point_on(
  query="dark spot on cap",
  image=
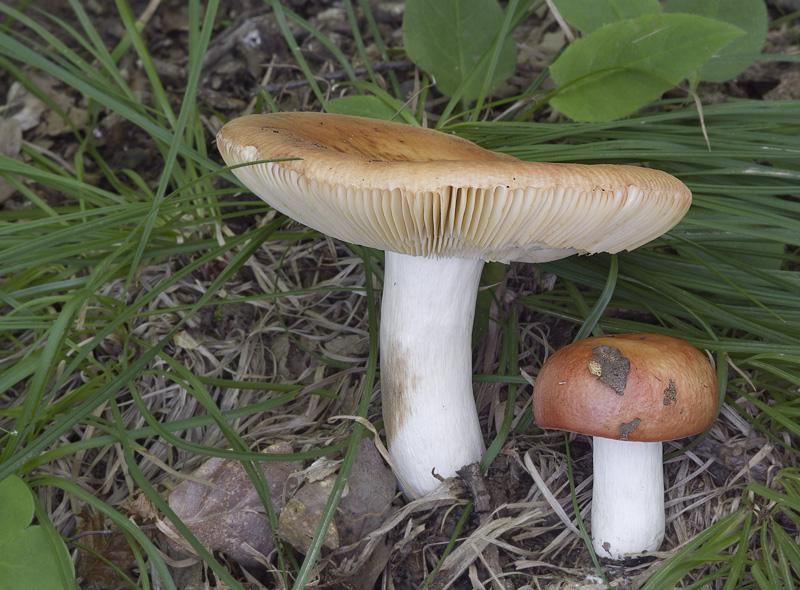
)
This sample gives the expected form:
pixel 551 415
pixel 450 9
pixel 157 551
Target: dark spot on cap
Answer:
pixel 610 367
pixel 670 393
pixel 627 427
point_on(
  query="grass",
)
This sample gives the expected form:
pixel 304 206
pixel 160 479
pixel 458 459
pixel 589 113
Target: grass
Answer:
pixel 102 286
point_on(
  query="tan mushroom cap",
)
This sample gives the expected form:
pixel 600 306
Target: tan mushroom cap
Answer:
pixel 425 193
pixel 668 391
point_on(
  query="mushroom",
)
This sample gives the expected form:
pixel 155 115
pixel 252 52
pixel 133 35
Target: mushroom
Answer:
pixel 629 392
pixel 439 206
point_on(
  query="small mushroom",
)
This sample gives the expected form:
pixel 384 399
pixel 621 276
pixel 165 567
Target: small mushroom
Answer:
pixel 439 206
pixel 629 392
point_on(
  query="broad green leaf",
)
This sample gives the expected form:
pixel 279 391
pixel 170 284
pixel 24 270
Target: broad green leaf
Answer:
pixel 447 38
pixel 16 507
pixel 737 56
pixel 622 66
pixel 588 16
pixel 28 557
pixel 362 106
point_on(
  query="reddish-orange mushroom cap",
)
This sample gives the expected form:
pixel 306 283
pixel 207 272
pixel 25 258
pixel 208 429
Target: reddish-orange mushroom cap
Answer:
pixel 636 387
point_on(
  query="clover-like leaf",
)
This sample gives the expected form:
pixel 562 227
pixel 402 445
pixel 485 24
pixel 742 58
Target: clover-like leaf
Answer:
pixel 588 16
pixel 739 54
pixel 447 38
pixel 622 66
pixel 30 557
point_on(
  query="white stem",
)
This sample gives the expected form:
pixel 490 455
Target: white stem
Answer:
pixel 426 367
pixel 628 497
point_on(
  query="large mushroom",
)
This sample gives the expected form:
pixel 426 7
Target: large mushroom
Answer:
pixel 629 392
pixel 439 206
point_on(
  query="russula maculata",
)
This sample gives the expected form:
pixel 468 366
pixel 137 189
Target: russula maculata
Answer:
pixel 629 392
pixel 439 206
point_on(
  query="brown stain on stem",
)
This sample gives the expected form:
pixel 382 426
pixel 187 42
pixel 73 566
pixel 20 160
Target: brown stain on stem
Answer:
pixel 397 384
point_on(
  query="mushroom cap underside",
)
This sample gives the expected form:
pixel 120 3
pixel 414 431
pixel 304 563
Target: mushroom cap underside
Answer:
pixel 636 387
pixel 421 192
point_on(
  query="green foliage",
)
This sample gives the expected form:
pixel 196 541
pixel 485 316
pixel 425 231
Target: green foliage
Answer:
pixel 453 40
pixel 31 557
pixel 742 248
pixel 632 52
pixel 364 106
pixel 764 518
pixel 493 273
pixel 734 58
pixel 622 66
pixel 588 15
pixel 739 304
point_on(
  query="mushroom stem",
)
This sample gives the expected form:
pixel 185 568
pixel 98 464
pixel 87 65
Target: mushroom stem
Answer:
pixel 426 367
pixel 628 497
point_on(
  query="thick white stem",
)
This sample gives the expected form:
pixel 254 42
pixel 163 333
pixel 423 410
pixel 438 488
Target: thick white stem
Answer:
pixel 426 367
pixel 628 497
